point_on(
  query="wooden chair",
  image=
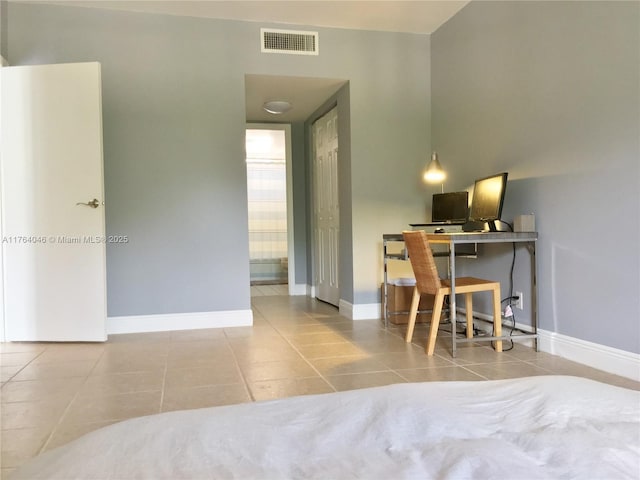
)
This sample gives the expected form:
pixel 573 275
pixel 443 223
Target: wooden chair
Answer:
pixel 428 281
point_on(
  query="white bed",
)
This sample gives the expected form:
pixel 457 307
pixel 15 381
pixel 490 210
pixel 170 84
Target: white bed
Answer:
pixel 536 427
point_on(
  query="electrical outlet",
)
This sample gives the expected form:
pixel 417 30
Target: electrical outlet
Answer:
pixel 519 301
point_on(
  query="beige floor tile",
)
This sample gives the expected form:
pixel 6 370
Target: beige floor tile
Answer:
pixel 201 397
pixel 214 345
pixel 385 345
pixel 116 383
pixel 112 407
pixel 43 371
pixel 7 373
pixel 198 335
pixel 224 373
pixel 327 350
pixel 618 381
pixel 190 360
pixel 200 355
pixel 289 387
pixel 364 380
pixel 250 343
pixel 413 359
pixel 439 374
pixel 22 347
pixel 61 355
pixel 500 371
pixel 5 473
pixel 304 339
pixel 254 331
pixel 269 290
pixel 523 352
pixel 348 364
pixel 369 335
pixel 149 337
pixel 293 329
pixel 33 390
pixel 292 318
pixel 40 413
pixel 19 445
pixel 277 370
pixel 119 362
pixel 17 359
pixel 138 348
pixel 561 366
pixel 245 355
pixel 475 354
pixel 259 321
pixel 66 432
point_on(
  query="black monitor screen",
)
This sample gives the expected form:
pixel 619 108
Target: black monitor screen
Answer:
pixel 450 207
pixel 488 197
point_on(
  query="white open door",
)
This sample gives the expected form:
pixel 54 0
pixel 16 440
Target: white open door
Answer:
pixel 53 227
pixel 326 207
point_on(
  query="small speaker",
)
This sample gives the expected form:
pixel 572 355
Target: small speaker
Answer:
pixel 524 223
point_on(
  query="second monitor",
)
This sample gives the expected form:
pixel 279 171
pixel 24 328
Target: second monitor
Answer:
pixel 450 208
pixel 487 200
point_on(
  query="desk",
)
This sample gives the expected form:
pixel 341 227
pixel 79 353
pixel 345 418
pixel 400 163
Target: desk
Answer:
pixel 461 238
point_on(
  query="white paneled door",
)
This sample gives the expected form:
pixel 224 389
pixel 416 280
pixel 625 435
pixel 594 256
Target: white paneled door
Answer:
pixel 326 207
pixel 53 226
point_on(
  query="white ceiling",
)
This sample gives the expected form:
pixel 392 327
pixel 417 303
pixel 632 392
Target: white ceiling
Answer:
pixel 414 16
pixel 306 94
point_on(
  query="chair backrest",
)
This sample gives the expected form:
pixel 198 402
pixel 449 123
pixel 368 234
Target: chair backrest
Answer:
pixel 422 262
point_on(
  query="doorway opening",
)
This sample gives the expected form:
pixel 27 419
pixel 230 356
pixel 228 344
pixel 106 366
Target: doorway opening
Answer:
pixel 268 158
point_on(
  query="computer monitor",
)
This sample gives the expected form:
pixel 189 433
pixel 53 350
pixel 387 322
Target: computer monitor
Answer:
pixel 487 199
pixel 450 207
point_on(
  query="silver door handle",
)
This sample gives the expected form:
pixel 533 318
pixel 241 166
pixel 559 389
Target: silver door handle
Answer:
pixel 95 203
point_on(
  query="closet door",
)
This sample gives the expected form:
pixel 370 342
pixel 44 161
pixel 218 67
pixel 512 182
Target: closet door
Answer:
pixel 326 208
pixel 53 227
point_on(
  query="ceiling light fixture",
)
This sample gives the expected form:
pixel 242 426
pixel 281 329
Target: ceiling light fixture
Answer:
pixel 276 107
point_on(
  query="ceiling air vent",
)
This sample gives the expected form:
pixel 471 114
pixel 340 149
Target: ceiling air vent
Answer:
pixel 289 41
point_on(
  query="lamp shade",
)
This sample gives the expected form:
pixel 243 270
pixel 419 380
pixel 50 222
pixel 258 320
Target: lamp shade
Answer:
pixel 434 172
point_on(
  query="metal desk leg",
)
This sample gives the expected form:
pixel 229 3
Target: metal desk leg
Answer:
pixel 534 301
pixel 385 297
pixel 452 296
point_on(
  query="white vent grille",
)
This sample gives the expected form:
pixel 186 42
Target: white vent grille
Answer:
pixel 289 41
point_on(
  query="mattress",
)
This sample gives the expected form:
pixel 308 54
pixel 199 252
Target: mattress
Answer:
pixel 534 427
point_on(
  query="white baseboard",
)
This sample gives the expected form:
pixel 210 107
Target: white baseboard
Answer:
pixel 311 291
pixel 602 357
pixel 361 311
pixel 608 359
pixel 179 321
pixel 298 289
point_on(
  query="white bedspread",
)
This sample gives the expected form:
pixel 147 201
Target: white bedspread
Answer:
pixel 536 427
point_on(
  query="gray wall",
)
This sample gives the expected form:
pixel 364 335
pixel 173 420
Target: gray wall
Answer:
pixel 3 27
pixel 299 175
pixel 173 102
pixel 549 91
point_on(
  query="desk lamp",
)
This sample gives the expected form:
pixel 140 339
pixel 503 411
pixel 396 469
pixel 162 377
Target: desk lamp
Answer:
pixel 434 172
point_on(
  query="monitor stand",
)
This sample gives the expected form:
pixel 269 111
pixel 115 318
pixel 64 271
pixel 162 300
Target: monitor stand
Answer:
pixel 473 226
pixel 492 226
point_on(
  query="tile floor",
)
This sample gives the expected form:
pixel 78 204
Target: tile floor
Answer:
pixel 53 393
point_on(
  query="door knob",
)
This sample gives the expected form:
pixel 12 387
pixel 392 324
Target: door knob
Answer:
pixel 95 203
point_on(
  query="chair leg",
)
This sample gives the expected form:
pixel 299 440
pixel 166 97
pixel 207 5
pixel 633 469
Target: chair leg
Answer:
pixel 497 318
pixel 469 306
pixel 413 313
pixel 435 322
